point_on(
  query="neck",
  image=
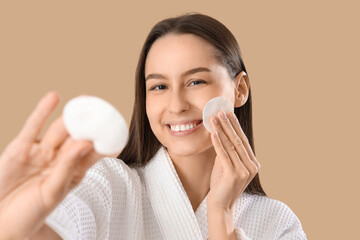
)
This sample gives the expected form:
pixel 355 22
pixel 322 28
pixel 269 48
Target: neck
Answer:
pixel 194 172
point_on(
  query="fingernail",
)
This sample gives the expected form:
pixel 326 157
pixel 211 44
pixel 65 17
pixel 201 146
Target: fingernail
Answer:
pixel 223 115
pixel 215 135
pixel 232 115
pixel 215 121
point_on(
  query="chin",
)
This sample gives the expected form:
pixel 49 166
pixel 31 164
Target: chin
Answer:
pixel 188 148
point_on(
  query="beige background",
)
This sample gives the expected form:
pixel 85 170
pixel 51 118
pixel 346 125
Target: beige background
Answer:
pixel 302 58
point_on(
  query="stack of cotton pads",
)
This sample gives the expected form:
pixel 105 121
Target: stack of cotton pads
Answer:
pixel 214 106
pixel 92 118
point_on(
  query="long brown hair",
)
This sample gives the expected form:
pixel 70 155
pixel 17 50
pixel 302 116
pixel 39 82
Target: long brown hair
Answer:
pixel 143 144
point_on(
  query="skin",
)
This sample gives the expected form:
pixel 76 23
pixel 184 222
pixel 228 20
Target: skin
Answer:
pixel 219 165
pixel 37 174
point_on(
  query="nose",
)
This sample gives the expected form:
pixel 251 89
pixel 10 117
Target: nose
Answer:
pixel 178 102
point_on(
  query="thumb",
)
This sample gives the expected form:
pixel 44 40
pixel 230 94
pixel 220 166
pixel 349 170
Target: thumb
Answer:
pixel 56 185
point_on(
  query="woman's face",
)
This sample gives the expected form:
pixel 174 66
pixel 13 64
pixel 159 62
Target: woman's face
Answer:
pixel 182 75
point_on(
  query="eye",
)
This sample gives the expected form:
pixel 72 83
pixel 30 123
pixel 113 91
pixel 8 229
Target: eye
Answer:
pixel 162 86
pixel 197 81
pixel 156 86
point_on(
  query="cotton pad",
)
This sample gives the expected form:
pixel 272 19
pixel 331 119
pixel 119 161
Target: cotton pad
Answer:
pixel 214 106
pixel 92 118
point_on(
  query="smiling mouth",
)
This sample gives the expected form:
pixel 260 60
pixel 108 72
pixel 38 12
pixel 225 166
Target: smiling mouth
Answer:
pixel 184 132
pixel 195 122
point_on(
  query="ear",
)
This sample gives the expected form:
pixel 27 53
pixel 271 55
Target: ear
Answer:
pixel 242 86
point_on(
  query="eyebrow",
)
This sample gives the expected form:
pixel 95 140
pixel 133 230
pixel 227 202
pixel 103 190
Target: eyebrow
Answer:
pixel 189 72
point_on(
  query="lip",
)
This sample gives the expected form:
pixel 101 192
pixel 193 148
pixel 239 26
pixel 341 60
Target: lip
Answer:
pixel 184 122
pixel 183 133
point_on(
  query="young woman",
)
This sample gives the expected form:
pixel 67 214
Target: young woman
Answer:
pixel 166 183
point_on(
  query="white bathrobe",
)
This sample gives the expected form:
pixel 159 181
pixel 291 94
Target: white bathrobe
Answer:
pixel 114 201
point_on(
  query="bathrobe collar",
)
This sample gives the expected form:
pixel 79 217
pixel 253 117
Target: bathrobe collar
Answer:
pixel 169 200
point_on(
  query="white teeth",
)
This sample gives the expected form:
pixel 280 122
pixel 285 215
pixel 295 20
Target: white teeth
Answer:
pixel 179 128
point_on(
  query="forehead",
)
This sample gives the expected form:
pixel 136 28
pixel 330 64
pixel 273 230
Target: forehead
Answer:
pixel 176 53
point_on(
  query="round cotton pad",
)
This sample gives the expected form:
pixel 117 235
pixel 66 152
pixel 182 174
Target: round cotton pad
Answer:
pixel 92 118
pixel 214 106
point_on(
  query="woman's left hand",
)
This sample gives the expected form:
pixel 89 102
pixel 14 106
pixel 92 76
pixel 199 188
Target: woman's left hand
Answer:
pixel 235 164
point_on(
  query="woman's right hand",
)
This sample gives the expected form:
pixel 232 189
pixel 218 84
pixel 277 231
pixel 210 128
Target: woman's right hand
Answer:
pixel 36 175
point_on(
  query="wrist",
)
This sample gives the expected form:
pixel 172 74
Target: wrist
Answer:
pixel 220 223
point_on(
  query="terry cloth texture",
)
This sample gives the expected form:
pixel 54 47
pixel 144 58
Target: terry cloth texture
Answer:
pixel 114 201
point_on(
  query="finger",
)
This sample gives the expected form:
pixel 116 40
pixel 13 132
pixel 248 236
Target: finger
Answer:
pixel 57 184
pixel 55 135
pixel 84 164
pixel 87 161
pixel 238 165
pixel 229 147
pixel 38 117
pixel 245 142
pixel 237 145
pixel 219 147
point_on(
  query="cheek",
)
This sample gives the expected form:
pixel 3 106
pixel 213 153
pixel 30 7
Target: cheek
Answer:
pixel 201 98
pixel 224 89
pixel 153 110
